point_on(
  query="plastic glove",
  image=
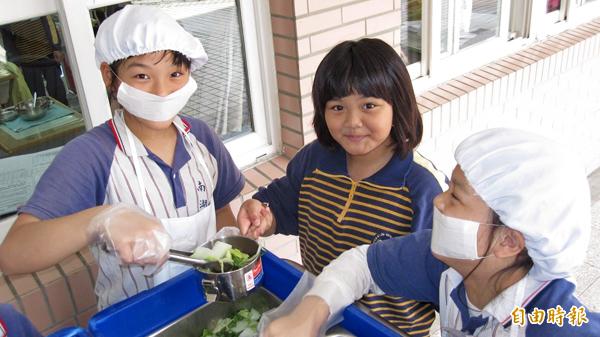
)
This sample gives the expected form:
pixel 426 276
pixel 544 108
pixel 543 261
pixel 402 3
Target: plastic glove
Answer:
pixel 298 315
pixel 254 218
pixel 306 320
pixel 135 236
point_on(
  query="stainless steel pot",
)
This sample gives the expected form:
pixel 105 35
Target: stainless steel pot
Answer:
pixel 30 113
pixel 235 284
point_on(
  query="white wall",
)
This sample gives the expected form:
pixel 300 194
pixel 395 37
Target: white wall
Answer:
pixel 558 97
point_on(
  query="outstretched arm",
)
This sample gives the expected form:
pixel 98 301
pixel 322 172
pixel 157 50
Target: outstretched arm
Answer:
pixel 133 235
pixel 33 244
pixel 330 294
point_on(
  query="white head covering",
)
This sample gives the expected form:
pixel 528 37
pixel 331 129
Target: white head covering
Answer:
pixel 536 187
pixel 137 30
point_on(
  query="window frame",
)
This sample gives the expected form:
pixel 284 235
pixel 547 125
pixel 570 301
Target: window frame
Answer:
pixel 438 67
pixel 542 24
pixel 522 22
pixel 485 47
pixel 580 11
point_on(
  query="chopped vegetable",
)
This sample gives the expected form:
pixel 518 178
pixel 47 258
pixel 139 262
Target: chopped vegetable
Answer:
pixel 223 253
pixel 239 258
pixel 243 324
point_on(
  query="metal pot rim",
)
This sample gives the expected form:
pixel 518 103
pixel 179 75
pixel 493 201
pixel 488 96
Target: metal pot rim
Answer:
pixel 251 260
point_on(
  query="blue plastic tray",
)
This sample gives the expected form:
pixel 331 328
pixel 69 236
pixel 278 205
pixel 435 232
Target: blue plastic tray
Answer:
pixel 70 332
pixel 152 309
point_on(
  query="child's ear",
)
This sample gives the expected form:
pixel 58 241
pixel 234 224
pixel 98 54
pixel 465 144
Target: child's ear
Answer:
pixel 510 243
pixel 107 75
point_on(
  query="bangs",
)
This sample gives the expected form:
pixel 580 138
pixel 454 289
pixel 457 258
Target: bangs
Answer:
pixel 176 58
pixel 370 68
pixel 356 74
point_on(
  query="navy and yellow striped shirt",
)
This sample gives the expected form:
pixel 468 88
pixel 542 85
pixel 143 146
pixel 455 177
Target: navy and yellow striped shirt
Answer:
pixel 32 40
pixel 331 213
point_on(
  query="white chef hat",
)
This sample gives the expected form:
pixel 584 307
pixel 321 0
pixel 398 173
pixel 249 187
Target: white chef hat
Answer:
pixel 137 30
pixel 536 187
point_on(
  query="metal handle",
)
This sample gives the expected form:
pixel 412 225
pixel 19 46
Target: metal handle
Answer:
pixel 210 290
pixel 185 259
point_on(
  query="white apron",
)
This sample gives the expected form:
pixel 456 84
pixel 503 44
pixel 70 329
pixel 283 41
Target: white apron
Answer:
pixel 450 317
pixel 186 232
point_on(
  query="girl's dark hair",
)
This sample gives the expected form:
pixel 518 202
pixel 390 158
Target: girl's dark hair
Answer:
pixel 178 59
pixel 523 260
pixel 372 68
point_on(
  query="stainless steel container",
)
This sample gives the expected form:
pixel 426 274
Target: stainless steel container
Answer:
pixel 235 284
pixel 29 113
pixel 205 317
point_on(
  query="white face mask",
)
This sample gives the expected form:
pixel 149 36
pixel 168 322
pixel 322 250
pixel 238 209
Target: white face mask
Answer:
pixel 152 107
pixel 453 237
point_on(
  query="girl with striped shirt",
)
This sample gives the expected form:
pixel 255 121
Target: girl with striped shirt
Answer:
pixel 508 236
pixel 361 182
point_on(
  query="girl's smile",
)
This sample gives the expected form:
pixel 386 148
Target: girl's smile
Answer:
pixel 355 138
pixel 361 125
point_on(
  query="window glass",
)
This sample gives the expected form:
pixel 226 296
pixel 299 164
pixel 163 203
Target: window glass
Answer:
pixel 468 22
pixel 411 30
pixel 552 5
pixel 444 24
pixel 478 20
pixel 38 101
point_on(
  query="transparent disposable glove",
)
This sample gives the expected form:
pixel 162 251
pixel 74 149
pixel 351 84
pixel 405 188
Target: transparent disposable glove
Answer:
pixel 299 315
pixel 255 218
pixel 134 235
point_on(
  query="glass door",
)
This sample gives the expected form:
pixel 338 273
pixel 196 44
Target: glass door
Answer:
pixel 40 109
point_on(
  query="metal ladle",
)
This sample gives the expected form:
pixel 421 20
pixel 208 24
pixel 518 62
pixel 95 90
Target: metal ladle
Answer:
pixel 212 266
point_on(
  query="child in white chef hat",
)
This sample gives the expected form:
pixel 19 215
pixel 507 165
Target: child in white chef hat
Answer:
pixel 507 237
pixel 141 183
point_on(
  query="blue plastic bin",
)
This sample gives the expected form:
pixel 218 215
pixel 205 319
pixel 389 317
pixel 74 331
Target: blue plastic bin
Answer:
pixel 70 332
pixel 150 310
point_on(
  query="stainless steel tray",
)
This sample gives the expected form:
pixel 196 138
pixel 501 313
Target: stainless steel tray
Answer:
pixel 192 324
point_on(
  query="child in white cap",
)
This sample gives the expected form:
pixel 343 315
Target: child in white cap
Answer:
pixel 141 183
pixel 507 237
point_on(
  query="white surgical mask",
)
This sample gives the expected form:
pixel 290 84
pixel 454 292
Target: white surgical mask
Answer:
pixel 153 107
pixel 453 237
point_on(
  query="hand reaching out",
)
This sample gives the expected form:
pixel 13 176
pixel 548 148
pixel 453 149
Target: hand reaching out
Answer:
pixel 306 320
pixel 255 219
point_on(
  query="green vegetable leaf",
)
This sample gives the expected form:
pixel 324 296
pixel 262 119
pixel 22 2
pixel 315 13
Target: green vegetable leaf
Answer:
pixel 239 258
pixel 242 324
